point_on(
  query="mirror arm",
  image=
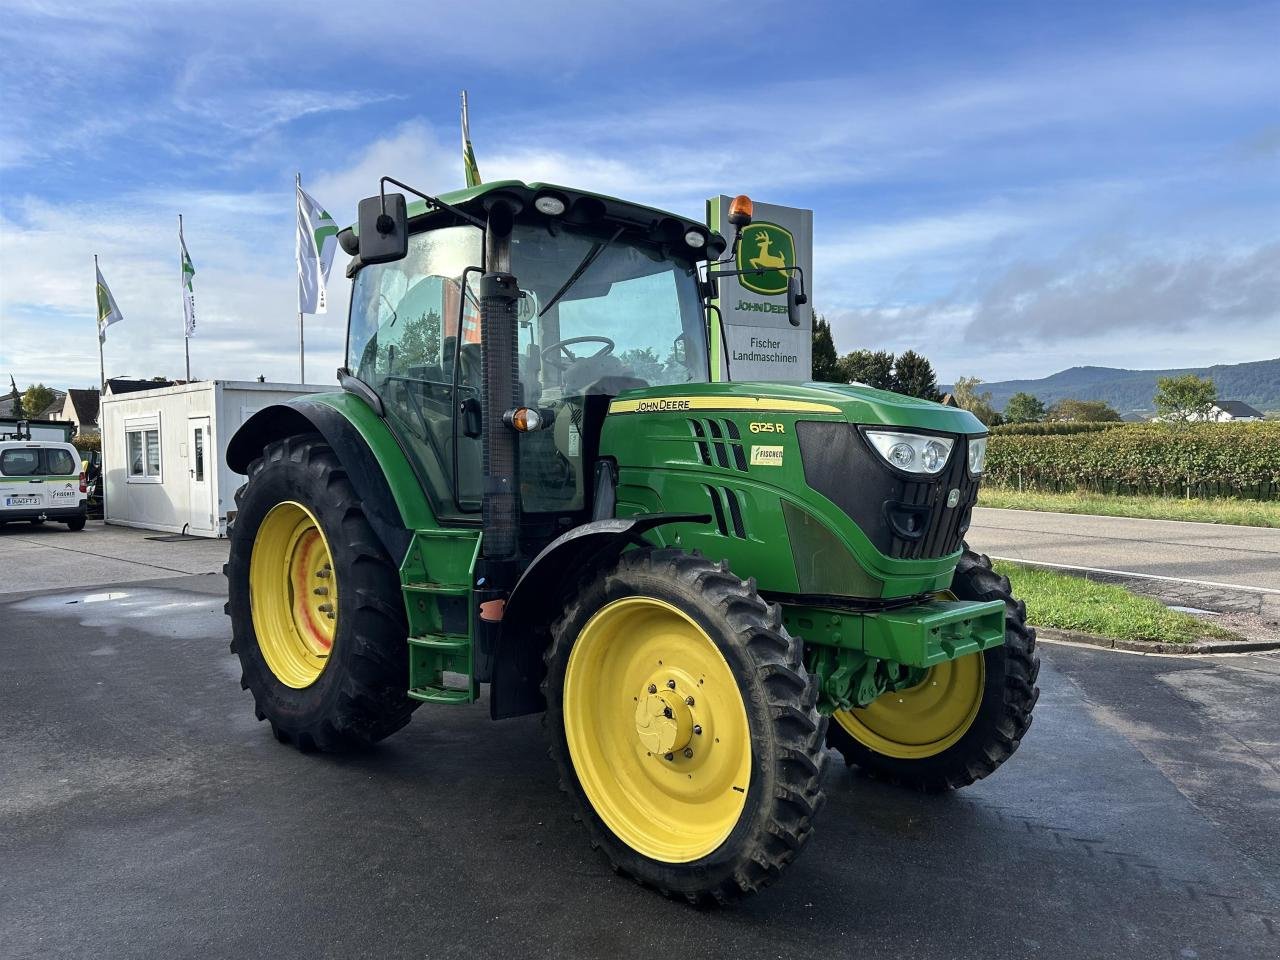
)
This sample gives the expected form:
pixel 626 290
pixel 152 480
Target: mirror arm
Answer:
pixel 432 201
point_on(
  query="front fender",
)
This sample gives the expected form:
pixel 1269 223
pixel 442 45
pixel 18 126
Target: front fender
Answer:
pixel 377 467
pixel 517 667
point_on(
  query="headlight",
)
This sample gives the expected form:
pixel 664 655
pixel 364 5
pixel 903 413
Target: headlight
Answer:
pixel 977 454
pixel 911 451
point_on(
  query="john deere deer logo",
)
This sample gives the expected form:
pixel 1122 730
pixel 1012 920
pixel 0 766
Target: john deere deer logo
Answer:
pixel 765 252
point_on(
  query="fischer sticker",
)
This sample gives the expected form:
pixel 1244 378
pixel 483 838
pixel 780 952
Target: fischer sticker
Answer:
pixel 766 456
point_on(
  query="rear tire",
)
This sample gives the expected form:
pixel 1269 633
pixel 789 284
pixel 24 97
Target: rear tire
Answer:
pixel 1008 696
pixel 725 816
pixel 76 524
pixel 358 696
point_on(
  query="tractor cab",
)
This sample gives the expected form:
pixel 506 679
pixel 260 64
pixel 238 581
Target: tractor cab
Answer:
pixel 608 300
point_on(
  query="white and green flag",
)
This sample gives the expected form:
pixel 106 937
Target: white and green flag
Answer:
pixel 108 312
pixel 188 292
pixel 317 243
pixel 469 167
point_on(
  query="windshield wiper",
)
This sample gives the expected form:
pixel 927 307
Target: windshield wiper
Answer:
pixel 591 257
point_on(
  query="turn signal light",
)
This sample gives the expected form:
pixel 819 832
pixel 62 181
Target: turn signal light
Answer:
pixel 525 419
pixel 740 210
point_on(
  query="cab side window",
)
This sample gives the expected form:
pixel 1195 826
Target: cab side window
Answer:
pixel 404 343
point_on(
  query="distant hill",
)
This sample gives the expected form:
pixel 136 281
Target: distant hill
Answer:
pixel 1257 383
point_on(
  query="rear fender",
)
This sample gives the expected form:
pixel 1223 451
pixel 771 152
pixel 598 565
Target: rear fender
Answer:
pixel 517 667
pixel 376 465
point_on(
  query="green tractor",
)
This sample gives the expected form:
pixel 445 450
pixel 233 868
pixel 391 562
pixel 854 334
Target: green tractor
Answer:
pixel 528 480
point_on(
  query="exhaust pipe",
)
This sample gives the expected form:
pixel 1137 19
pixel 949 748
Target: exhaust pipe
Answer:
pixel 499 561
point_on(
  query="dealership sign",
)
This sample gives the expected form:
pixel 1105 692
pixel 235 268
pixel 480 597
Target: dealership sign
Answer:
pixel 762 344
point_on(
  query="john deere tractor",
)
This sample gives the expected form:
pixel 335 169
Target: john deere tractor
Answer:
pixel 528 481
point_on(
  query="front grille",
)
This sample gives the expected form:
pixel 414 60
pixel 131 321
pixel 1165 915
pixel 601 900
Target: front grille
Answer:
pixel 907 519
pixel 944 527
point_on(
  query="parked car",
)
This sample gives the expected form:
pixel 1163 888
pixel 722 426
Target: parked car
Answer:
pixel 41 480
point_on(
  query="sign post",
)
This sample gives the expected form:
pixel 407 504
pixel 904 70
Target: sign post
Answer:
pixel 761 342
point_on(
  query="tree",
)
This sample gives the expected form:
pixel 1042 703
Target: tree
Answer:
pixel 36 398
pixel 1084 411
pixel 913 375
pixel 966 395
pixel 643 362
pixel 872 367
pixel 1024 408
pixel 1186 398
pixel 826 363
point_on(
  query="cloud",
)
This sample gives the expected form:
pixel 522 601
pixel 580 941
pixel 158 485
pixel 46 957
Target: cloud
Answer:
pixel 1056 302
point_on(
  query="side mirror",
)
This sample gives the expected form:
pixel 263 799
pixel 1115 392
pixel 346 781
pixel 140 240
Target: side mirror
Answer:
pixel 384 236
pixel 795 299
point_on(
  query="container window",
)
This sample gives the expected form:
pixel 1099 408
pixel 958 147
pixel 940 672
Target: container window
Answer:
pixel 142 447
pixel 199 445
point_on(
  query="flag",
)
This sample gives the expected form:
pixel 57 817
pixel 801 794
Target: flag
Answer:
pixel 188 293
pixel 317 243
pixel 468 155
pixel 108 312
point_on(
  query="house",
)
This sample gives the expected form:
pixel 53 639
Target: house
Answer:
pixel 1233 411
pixel 9 402
pixel 164 451
pixel 81 408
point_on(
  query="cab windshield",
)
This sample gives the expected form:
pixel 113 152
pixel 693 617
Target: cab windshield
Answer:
pixel 600 313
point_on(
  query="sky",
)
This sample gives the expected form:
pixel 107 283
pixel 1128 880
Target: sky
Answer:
pixel 1009 188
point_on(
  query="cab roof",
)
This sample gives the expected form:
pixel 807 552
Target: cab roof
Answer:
pixel 582 207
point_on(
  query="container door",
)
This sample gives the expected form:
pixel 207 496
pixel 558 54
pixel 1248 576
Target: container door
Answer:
pixel 200 469
pixel 21 479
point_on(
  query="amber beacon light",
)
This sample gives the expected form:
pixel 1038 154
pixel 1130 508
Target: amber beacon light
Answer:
pixel 740 210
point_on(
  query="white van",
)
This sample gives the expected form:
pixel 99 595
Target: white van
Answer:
pixel 41 480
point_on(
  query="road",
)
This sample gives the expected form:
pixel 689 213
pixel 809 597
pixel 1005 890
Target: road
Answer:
pixel 1210 552
pixel 144 813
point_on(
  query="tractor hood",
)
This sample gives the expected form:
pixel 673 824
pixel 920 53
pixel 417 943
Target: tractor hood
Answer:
pixel 855 403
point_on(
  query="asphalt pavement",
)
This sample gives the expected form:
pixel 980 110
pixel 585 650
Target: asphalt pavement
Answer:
pixel 36 558
pixel 1211 552
pixel 145 813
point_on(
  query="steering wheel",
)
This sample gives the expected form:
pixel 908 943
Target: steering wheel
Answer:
pixel 567 356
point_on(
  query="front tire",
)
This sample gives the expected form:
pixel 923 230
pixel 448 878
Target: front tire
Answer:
pixel 316 613
pixel 684 725
pixel 966 718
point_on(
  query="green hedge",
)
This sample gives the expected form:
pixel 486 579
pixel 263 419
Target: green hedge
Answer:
pixel 1053 429
pixel 1198 460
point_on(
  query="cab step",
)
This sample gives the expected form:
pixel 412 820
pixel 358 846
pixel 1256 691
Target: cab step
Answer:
pixel 436 579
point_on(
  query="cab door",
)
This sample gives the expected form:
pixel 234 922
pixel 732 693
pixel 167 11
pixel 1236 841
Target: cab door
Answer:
pixel 22 484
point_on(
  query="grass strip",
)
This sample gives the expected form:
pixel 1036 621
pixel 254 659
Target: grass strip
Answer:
pixel 1246 513
pixel 1065 602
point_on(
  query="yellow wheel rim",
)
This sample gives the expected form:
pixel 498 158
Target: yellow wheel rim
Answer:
pixel 657 729
pixel 293 594
pixel 923 720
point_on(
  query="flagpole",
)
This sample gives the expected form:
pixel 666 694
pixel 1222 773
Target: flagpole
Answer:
pixel 186 338
pixel 102 367
pixel 302 348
